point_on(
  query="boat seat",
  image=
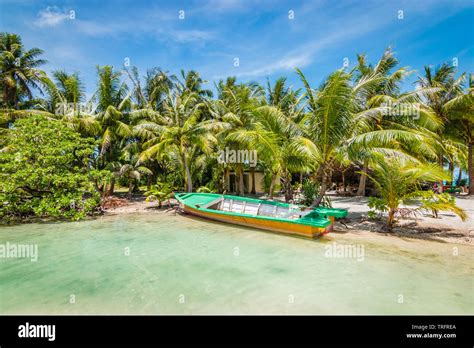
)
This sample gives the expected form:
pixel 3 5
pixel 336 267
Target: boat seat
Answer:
pixel 251 208
pixel 215 201
pixel 238 206
pixel 304 213
pixel 266 210
pixel 296 212
pixel 281 211
pixel 226 205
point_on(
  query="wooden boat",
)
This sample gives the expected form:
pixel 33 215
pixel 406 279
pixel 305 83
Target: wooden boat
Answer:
pixel 267 215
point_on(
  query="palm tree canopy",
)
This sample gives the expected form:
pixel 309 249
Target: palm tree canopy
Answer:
pixel 19 73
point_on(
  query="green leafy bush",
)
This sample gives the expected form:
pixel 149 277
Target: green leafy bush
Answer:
pixel 377 208
pixel 205 189
pixel 43 171
pixel 160 192
pixel 310 191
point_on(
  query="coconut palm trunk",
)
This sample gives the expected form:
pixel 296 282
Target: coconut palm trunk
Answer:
pixel 470 165
pixel 363 180
pixel 272 186
pixel 288 188
pixel 441 163
pixel 149 181
pixel 391 219
pixel 130 188
pixel 226 179
pixel 451 172
pixel 458 180
pixel 343 173
pixel 322 190
pixel 241 180
pixel 187 173
pixel 111 187
pixel 252 173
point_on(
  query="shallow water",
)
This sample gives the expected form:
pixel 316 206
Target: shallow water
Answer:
pixel 180 265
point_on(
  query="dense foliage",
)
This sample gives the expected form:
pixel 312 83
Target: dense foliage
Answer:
pixel 163 128
pixel 160 192
pixel 43 171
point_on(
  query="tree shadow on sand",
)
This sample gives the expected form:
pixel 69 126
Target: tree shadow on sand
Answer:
pixel 406 230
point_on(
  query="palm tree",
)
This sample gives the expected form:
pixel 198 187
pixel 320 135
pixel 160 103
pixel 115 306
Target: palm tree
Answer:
pixel 273 132
pixel 179 132
pixel 115 128
pixel 113 98
pixel 65 91
pixel 157 85
pixel 19 73
pixel 70 87
pixel 398 181
pixel 332 118
pixel 278 141
pixel 235 109
pixel 444 87
pixel 113 101
pixel 345 119
pixel 111 90
pixel 282 96
pixel 130 168
pixel 62 90
pixel 192 83
pixel 388 85
pixel 146 117
pixel 461 124
pixel 283 119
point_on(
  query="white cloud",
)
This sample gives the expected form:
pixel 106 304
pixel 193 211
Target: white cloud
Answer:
pixel 336 33
pixel 94 29
pixel 51 17
pixel 225 5
pixel 305 53
pixel 129 27
pixel 184 36
pixel 289 62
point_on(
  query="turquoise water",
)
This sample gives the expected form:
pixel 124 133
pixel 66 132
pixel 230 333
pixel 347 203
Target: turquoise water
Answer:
pixel 183 265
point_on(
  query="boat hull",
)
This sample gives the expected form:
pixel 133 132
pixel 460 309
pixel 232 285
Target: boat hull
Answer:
pixel 249 221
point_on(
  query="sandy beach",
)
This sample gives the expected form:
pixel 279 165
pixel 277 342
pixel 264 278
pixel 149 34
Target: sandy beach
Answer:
pixel 447 228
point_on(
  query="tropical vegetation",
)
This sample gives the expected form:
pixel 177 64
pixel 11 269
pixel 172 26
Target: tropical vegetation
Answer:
pixel 400 181
pixel 60 153
pixel 44 171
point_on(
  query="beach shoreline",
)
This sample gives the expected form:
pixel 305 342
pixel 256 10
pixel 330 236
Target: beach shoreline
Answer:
pixel 447 228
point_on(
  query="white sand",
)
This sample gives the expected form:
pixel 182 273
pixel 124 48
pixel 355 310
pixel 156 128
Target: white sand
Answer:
pixel 446 228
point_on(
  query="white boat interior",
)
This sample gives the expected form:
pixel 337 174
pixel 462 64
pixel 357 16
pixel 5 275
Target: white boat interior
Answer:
pixel 256 208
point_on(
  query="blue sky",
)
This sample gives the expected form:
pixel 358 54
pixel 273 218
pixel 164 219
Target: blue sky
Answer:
pixel 260 34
